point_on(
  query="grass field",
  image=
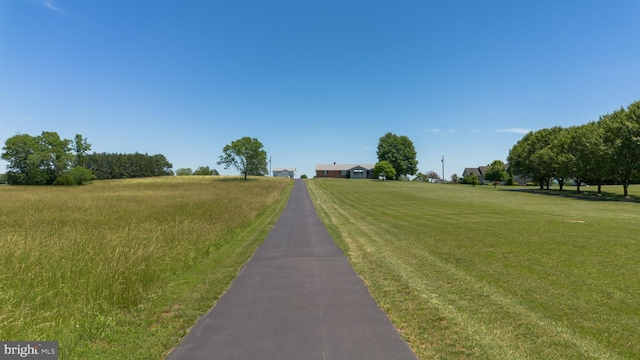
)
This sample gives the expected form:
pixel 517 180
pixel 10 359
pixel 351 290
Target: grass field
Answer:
pixel 121 269
pixel 486 273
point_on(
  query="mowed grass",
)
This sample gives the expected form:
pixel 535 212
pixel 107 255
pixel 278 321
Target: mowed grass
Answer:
pixel 122 269
pixel 486 273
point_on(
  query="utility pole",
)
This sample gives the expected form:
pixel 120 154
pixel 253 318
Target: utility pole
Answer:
pixel 270 173
pixel 443 167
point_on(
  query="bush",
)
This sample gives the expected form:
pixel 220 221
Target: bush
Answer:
pixel 79 175
pixel 184 172
pixel 530 183
pixel 65 179
pixel 204 170
pixel 383 169
pixel 3 178
pixel 471 179
pixel 303 176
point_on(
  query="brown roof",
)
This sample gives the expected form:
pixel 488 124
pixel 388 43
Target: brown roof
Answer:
pixel 480 170
pixel 340 167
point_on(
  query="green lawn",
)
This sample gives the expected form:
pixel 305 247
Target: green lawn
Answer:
pixel 486 273
pixel 121 269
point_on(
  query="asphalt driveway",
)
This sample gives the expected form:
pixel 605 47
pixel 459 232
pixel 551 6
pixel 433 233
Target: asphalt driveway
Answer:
pixel 297 298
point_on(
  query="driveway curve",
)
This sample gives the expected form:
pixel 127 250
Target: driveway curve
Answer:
pixel 297 298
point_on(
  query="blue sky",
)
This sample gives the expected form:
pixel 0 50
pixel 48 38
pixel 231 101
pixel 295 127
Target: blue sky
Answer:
pixel 315 81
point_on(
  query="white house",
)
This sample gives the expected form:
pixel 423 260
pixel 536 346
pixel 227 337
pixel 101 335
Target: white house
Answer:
pixel 284 172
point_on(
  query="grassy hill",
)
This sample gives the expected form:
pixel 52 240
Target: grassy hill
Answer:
pixel 486 273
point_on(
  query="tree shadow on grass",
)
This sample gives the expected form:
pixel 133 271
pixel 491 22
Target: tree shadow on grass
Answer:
pixel 581 195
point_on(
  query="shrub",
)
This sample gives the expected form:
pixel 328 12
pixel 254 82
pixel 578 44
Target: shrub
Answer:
pixel 530 183
pixel 383 169
pixel 65 179
pixel 184 172
pixel 303 176
pixel 471 179
pixel 81 175
pixel 204 170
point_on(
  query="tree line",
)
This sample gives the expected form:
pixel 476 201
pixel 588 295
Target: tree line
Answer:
pixel 47 159
pixel 125 166
pixel 202 170
pixel 599 152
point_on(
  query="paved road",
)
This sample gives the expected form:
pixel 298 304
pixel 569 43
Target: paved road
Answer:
pixel 297 298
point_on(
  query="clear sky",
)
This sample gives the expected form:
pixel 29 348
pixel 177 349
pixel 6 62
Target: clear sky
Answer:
pixel 315 81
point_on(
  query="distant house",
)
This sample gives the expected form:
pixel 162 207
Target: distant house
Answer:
pixel 474 171
pixel 346 171
pixel 284 172
pixel 480 171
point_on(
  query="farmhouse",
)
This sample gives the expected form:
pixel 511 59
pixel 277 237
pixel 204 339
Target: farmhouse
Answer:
pixel 284 172
pixel 480 171
pixel 475 171
pixel 350 171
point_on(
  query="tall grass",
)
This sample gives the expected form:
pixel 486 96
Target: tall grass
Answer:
pixel 122 268
pixel 482 273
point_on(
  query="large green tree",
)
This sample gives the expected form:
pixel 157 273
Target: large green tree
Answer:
pixel 19 152
pixel 81 147
pixel 560 161
pixel 520 155
pixel 622 136
pixel 527 159
pixel 594 157
pixel 54 155
pixel 584 155
pixel 36 160
pixel 247 155
pixel 399 152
